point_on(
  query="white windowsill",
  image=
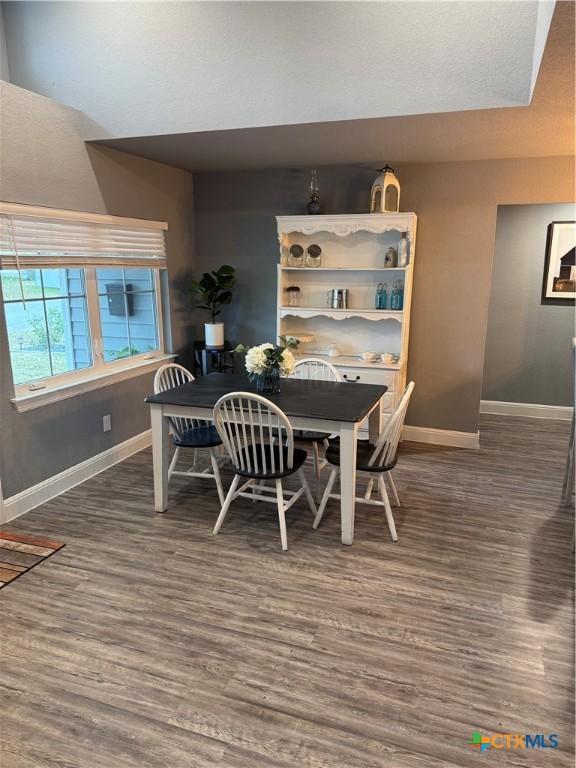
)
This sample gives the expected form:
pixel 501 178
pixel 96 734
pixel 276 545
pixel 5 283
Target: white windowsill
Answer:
pixel 95 381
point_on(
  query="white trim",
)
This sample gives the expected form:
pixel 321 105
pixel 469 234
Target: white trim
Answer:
pixel 18 209
pixel 53 486
pixel 342 314
pixel 532 410
pixel 104 379
pixel 347 224
pixel 441 437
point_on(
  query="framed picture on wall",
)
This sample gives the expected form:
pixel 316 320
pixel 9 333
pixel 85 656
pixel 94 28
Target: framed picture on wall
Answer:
pixel 559 282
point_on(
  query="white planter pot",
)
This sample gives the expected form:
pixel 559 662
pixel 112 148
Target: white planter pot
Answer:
pixel 214 334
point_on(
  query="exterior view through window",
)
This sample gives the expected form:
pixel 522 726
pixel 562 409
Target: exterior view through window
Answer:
pixel 53 331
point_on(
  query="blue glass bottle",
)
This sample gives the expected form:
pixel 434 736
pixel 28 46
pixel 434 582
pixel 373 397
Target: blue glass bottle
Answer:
pixel 380 299
pixel 397 297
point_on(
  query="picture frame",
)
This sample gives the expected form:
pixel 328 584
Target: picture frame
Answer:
pixel 559 278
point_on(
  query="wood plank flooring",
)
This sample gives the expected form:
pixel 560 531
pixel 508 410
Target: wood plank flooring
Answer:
pixel 149 643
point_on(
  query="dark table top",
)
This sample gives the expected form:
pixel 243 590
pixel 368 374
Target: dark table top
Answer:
pixel 336 401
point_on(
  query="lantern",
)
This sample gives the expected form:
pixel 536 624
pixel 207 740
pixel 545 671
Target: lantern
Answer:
pixel 385 195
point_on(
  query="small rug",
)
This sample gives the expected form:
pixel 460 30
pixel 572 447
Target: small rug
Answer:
pixel 20 553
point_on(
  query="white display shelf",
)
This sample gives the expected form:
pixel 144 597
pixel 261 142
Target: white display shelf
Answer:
pixel 342 314
pixel 353 249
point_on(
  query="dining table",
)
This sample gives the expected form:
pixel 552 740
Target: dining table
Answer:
pixel 336 408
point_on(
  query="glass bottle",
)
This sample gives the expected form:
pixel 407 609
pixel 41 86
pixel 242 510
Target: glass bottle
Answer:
pixel 403 251
pixel 397 297
pixel 380 298
pixel 313 206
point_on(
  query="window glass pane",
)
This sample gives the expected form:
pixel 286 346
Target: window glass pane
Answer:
pixel 28 341
pixel 68 337
pixel 31 284
pixel 62 282
pixel 114 327
pixel 142 323
pixel 110 280
pixel 127 312
pixel 139 279
pixel 47 336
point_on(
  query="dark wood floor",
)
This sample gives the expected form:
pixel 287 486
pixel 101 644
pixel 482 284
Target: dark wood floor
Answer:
pixel 149 643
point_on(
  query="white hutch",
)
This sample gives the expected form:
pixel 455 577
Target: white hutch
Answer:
pixel 353 257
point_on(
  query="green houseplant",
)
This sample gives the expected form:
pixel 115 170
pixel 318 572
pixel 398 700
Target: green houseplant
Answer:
pixel 215 291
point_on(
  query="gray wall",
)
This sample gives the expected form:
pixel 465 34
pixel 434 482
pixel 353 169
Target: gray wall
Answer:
pixel 456 205
pixel 235 223
pixel 4 73
pixel 44 161
pixel 528 352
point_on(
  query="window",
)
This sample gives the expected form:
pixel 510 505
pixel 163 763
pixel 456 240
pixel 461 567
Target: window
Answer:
pixel 44 329
pixel 81 299
pixel 127 303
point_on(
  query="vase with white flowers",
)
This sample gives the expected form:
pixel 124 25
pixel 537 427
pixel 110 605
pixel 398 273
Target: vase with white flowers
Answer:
pixel 266 363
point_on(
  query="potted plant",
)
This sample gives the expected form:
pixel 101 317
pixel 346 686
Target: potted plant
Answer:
pixel 215 290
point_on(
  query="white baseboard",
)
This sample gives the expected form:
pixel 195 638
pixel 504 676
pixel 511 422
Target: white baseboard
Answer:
pixel 533 410
pixel 53 486
pixel 441 437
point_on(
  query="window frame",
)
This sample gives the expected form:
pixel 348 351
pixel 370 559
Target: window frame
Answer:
pixel 37 392
pixel 95 321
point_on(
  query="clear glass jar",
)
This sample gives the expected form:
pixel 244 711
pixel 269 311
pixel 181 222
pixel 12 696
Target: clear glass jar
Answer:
pixel 296 256
pixel 294 295
pixel 313 256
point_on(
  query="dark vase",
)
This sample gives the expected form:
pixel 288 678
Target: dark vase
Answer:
pixel 268 383
pixel 313 206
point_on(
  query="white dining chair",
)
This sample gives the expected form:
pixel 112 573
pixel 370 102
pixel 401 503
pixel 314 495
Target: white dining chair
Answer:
pixel 260 442
pixel 315 369
pixel 376 460
pixel 189 433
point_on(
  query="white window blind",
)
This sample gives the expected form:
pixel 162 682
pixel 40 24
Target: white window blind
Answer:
pixel 32 238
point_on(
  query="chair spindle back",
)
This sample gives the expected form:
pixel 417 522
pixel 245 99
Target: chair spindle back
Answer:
pixel 245 420
pixel 387 444
pixel 315 369
pixel 171 376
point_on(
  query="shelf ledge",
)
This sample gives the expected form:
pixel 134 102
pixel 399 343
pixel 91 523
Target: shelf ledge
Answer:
pixel 343 225
pixel 341 314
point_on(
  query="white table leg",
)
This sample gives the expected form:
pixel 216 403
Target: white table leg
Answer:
pixel 347 480
pixel 375 422
pixel 160 438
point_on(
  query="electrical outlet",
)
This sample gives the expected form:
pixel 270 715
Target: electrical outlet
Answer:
pixel 106 423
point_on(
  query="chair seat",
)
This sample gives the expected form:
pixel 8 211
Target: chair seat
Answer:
pixel 248 454
pixel 310 437
pixel 198 437
pixel 364 451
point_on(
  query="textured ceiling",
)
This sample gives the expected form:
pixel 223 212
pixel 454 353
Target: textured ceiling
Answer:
pixel 544 128
pixel 148 68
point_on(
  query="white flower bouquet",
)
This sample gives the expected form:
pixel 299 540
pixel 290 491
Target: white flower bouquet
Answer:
pixel 266 362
